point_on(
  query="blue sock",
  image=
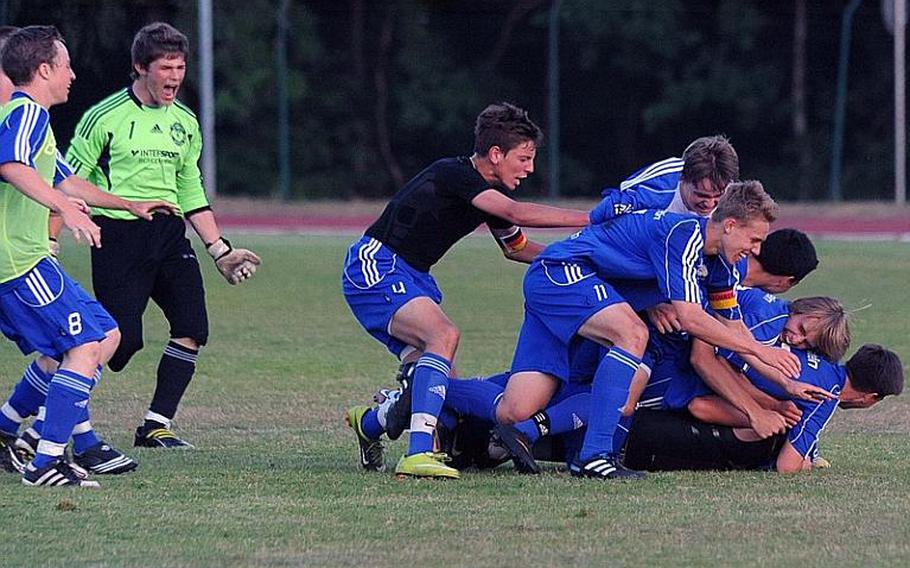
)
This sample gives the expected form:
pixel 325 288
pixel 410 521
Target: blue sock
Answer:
pixel 84 436
pixel 566 415
pixel 28 394
pixel 474 397
pixel 370 424
pixel 621 434
pixel 67 397
pixel 609 393
pixel 431 379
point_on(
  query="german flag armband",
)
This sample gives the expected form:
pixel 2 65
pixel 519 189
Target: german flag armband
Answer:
pixel 722 299
pixel 513 242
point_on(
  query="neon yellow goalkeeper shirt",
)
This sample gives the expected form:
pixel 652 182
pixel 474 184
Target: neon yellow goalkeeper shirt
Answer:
pixel 140 152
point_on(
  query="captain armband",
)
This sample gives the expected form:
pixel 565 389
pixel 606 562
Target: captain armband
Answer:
pixel 722 299
pixel 512 243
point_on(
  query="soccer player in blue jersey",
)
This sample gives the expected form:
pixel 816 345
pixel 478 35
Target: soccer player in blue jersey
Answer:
pixel 669 441
pixel 41 308
pixel 386 279
pixel 693 183
pixel 568 294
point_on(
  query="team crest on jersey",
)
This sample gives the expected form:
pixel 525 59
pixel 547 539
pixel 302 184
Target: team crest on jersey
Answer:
pixel 701 272
pixel 178 134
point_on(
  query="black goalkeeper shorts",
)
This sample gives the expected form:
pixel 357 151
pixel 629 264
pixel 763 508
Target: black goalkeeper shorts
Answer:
pixel 141 260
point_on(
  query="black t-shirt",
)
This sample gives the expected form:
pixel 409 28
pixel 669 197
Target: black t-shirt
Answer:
pixel 433 211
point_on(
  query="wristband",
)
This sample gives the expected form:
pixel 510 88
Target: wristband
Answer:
pixel 219 249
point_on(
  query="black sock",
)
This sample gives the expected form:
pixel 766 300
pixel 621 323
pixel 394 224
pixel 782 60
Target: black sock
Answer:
pixel 175 370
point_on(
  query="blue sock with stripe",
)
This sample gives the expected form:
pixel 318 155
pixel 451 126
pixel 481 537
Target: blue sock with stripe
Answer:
pixel 608 395
pixel 27 396
pixel 67 397
pixel 474 397
pixel 370 425
pixel 431 379
pixel 566 415
pixel 84 436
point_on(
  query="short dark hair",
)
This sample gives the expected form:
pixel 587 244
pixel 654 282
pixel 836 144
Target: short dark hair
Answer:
pixel 788 252
pixel 711 157
pixel 874 369
pixel 154 41
pixel 26 50
pixel 504 125
pixel 745 201
pixel 5 32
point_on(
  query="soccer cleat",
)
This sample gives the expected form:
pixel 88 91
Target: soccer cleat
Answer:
pixel 821 463
pixel 519 447
pixel 7 452
pixel 105 459
pixel 24 449
pixel 158 438
pixel 58 473
pixel 398 416
pixel 426 464
pixel 606 466
pixel 371 452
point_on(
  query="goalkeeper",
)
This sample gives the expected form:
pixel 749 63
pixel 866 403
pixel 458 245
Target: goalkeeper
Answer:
pixel 142 143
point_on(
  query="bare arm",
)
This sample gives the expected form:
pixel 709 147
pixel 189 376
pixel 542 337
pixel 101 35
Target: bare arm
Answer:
pixel 236 265
pixel 205 226
pixel 528 214
pixel 75 186
pixel 723 380
pixel 29 183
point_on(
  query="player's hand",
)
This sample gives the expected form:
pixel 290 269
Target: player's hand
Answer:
pixel 782 360
pixel 767 423
pixel 664 318
pixel 789 411
pixel 236 265
pixel 80 204
pixel 805 391
pixel 145 209
pixel 81 226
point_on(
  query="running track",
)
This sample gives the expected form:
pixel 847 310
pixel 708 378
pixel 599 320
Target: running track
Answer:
pixel 844 228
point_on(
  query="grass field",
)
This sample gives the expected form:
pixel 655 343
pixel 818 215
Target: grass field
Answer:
pixel 275 478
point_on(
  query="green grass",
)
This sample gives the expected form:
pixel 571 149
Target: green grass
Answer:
pixel 275 479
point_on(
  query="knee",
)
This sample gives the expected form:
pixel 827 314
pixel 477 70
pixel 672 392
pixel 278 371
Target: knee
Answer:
pixel 445 341
pixel 698 408
pixel 187 342
pixel 512 411
pixel 635 337
pixel 128 344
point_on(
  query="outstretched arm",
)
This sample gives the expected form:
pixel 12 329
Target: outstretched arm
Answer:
pixel 75 186
pixel 528 214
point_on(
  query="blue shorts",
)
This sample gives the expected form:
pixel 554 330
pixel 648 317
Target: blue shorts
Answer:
pixel 46 311
pixel 376 283
pixel 559 298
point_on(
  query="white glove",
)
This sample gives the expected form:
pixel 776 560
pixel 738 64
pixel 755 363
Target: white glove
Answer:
pixel 236 265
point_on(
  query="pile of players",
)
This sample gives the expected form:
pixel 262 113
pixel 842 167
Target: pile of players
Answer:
pixel 651 340
pixel 142 147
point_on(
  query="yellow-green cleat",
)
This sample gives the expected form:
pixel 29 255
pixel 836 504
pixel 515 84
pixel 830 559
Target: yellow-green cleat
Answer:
pixel 371 452
pixel 426 464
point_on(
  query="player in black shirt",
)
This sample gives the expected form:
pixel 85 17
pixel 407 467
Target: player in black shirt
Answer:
pixel 386 279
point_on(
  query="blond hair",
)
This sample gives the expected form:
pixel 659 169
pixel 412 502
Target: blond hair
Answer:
pixel 834 325
pixel 745 201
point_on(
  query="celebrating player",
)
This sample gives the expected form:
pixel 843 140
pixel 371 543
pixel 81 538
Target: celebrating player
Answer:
pixel 386 279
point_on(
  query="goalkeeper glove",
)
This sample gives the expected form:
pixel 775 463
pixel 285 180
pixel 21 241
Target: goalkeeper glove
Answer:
pixel 236 265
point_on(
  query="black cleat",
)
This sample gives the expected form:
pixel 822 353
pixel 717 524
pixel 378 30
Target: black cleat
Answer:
pixel 105 459
pixel 398 417
pixel 519 447
pixel 606 466
pixel 58 473
pixel 159 437
pixel 7 452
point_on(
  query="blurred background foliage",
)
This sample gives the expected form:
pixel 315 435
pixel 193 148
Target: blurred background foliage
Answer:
pixel 378 89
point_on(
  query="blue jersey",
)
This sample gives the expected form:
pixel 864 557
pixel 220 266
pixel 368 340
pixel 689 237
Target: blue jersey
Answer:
pixel 818 371
pixel 647 246
pixel 653 187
